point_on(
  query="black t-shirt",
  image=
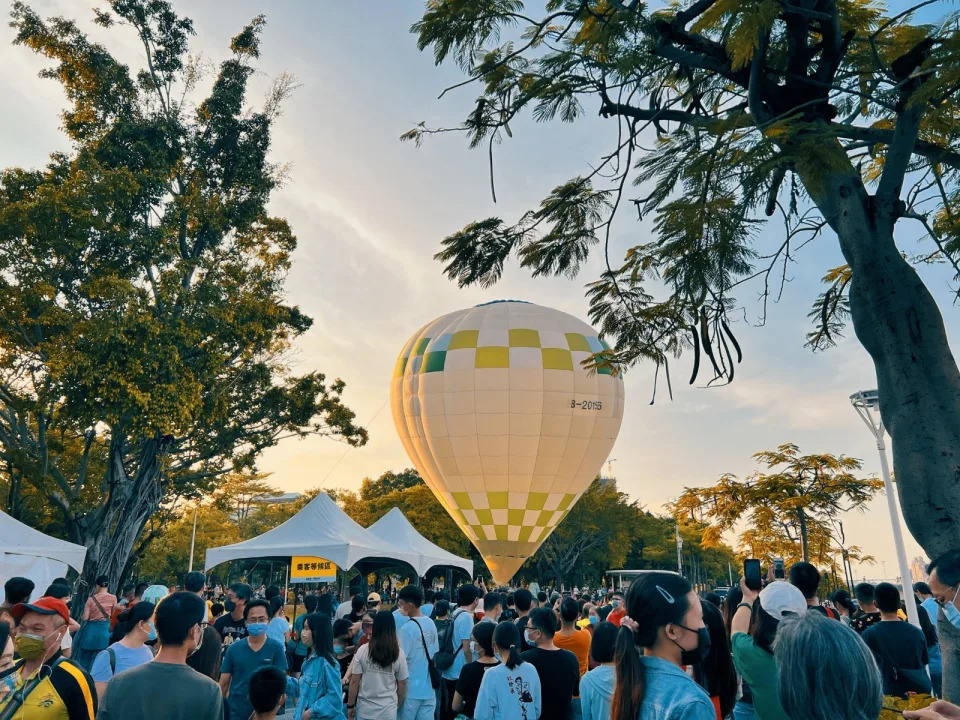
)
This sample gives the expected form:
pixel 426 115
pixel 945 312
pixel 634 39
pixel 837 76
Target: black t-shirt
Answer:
pixel 230 630
pixel 468 685
pixel 896 644
pixel 559 672
pixel 864 620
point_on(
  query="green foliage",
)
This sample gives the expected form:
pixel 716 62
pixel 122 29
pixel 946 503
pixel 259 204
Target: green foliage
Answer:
pixel 758 110
pixel 144 327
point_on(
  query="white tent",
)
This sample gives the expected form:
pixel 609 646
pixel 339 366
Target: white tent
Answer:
pixel 25 552
pixel 395 528
pixel 321 529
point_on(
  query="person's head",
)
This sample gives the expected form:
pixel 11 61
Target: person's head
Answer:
pixel 510 600
pixel 384 647
pixel 713 599
pixel 216 609
pixel 603 611
pixel 617 600
pixel 541 626
pixel 541 598
pixel 806 578
pixel 195 582
pixel 128 593
pixel 17 590
pixel 178 620
pixel 102 582
pixel 506 643
pixel 358 603
pixel 943 577
pixel 41 626
pixel 239 595
pixel 604 643
pixel 843 602
pixel 429 596
pixel 441 609
pixel 6 646
pixel 715 671
pixel 778 601
pixel 593 614
pixel 467 597
pixel 374 601
pixel 267 687
pixel 569 611
pixel 668 617
pixel 887 598
pixel 310 603
pixel 492 604
pixel 137 623
pixel 733 598
pixel 318 635
pixel 271 592
pixel 922 590
pixel 409 600
pixel 256 616
pixel 139 589
pixel 865 596
pixel 523 599
pixel 342 635
pixel 826 671
pixel 59 591
pixel 366 622
pixel 483 639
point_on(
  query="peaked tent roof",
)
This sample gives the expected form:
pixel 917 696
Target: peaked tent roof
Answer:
pixel 19 539
pixel 395 528
pixel 321 529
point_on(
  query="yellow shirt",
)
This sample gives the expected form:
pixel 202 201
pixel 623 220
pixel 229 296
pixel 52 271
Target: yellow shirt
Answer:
pixel 66 693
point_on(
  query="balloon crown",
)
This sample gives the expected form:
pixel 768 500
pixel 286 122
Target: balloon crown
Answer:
pixel 494 302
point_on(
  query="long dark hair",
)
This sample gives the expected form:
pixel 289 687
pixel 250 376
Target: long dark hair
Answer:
pixel 321 636
pixel 507 637
pixel 483 634
pixel 128 620
pixel 715 672
pixel 654 600
pixel 763 627
pixel 276 605
pixel 384 647
pixel 730 604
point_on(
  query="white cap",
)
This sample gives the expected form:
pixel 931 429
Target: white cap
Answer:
pixel 781 599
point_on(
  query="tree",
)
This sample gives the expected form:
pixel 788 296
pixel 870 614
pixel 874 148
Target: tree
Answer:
pixel 728 113
pixel 792 511
pixel 144 331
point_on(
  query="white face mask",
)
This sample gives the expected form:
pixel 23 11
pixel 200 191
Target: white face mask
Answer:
pixel 951 611
pixel 474 648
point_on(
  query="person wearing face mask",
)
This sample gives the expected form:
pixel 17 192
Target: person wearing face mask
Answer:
pixel 559 669
pixel 343 647
pixel 134 628
pixel 617 610
pixel 47 685
pixel 944 585
pixel 319 692
pixel 468 685
pixel 231 625
pixel 167 687
pixel 662 631
pixel 243 657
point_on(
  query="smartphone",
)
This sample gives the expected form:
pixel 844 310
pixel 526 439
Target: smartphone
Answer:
pixel 751 574
pixel 778 568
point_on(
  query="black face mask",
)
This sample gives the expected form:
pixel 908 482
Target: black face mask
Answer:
pixel 700 652
pixel 229 605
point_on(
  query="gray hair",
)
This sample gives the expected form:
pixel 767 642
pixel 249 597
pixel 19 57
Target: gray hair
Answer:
pixel 826 671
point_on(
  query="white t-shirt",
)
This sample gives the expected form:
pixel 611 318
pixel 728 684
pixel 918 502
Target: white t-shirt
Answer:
pixel 377 698
pixel 507 694
pixel 343 609
pixel 411 642
pixel 462 630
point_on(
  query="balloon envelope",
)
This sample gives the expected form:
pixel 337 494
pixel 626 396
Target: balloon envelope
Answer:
pixel 505 425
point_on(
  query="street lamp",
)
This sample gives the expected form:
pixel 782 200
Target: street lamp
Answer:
pixel 867 405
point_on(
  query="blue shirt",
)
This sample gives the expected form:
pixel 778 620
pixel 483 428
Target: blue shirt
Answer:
pixel 127 659
pixel 462 630
pixel 427 609
pixel 930 605
pixel 318 690
pixel 596 692
pixel 300 649
pixel 411 641
pixel 670 694
pixel 400 619
pixel 241 661
pixel 276 629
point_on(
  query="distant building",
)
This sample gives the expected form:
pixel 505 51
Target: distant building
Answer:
pixel 918 569
pixel 280 499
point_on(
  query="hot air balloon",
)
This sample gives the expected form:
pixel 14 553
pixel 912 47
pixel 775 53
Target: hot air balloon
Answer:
pixel 504 423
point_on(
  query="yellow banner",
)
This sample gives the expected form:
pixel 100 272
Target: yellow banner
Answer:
pixel 304 568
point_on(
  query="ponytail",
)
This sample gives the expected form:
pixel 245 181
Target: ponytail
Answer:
pixel 631 684
pixel 514 658
pixel 507 635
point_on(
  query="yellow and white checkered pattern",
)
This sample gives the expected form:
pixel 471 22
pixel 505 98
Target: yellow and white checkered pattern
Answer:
pixel 504 423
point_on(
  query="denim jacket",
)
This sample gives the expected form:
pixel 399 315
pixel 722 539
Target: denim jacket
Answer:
pixel 318 690
pixel 670 694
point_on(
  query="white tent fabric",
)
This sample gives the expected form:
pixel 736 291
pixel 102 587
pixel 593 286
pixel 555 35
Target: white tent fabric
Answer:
pixel 26 552
pixel 396 529
pixel 321 529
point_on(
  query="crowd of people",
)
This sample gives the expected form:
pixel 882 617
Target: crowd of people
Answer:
pixel 657 651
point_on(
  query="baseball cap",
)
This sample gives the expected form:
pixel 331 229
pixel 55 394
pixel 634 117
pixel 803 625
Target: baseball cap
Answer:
pixel 780 600
pixel 44 606
pixel 373 599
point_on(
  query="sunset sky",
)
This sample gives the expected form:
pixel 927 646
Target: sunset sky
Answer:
pixel 370 212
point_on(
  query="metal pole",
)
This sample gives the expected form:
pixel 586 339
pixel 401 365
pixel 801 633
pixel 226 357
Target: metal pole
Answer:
pixel 878 432
pixel 193 537
pixel 730 573
pixel 679 547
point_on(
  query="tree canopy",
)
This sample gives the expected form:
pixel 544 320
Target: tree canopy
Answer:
pixel 144 328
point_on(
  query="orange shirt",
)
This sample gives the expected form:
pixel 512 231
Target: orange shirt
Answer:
pixel 579 644
pixel 616 616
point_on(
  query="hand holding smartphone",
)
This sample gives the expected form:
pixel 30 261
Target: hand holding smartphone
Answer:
pixel 751 574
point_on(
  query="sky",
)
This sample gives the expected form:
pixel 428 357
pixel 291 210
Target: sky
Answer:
pixel 370 212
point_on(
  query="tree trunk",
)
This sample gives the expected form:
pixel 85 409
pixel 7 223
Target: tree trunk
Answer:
pixel 804 543
pixel 899 324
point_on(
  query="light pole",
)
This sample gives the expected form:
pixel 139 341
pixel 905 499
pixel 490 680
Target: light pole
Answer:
pixel 867 405
pixel 193 536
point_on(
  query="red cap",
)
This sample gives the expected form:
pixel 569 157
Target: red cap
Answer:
pixel 44 606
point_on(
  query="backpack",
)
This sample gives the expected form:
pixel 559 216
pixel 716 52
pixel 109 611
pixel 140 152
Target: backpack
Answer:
pixel 446 655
